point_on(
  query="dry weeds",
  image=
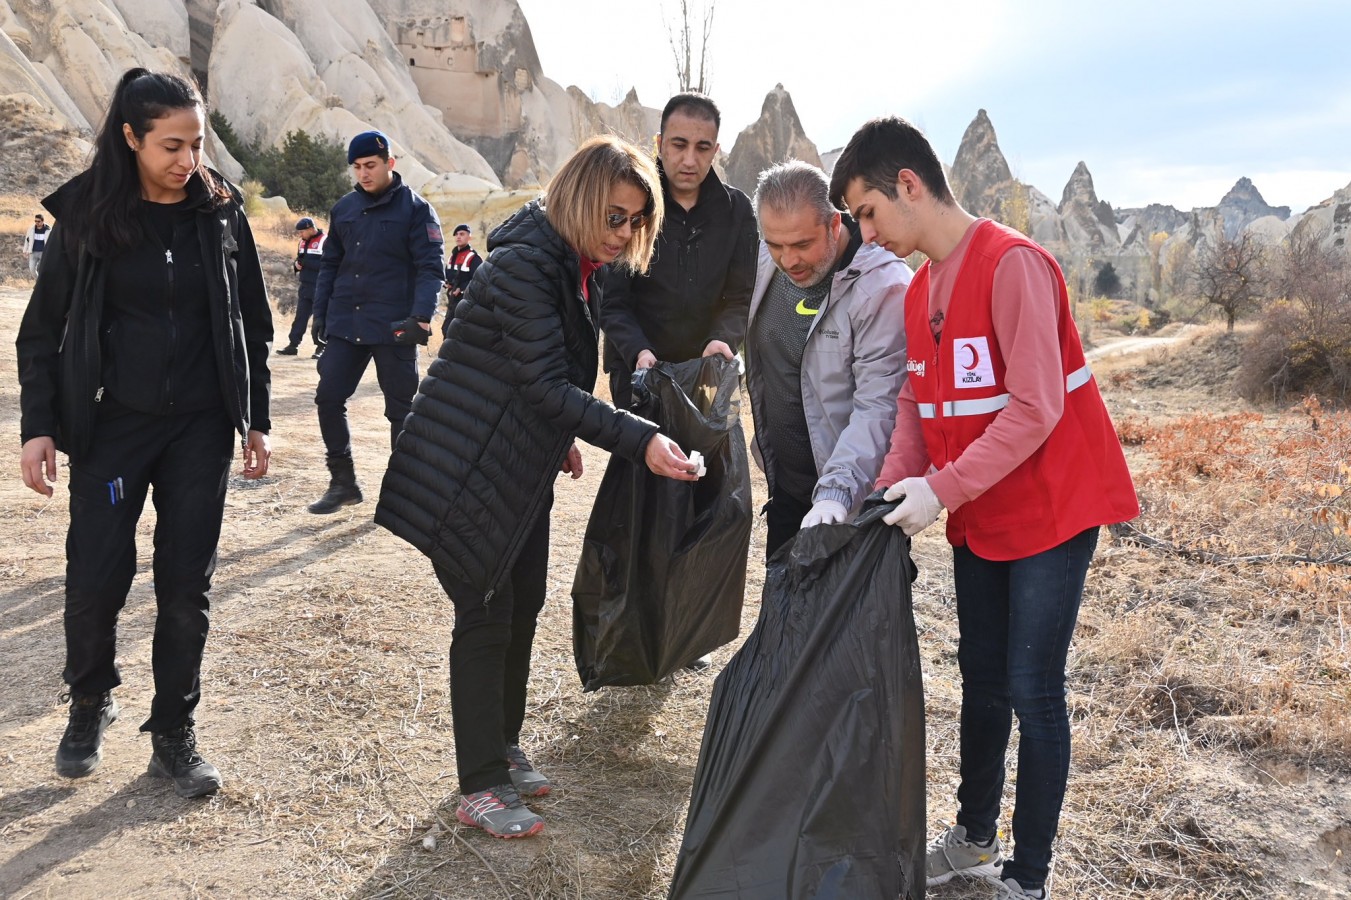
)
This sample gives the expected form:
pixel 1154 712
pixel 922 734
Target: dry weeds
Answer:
pixel 1207 697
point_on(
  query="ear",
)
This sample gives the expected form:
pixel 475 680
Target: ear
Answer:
pixel 129 135
pixel 908 184
pixel 391 164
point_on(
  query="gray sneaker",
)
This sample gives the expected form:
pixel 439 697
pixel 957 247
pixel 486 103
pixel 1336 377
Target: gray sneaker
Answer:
pixel 500 812
pixel 528 781
pixel 952 854
pixel 1009 889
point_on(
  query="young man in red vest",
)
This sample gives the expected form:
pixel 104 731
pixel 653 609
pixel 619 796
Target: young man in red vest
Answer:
pixel 1000 422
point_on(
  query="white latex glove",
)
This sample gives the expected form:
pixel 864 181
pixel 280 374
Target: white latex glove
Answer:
pixel 919 507
pixel 825 512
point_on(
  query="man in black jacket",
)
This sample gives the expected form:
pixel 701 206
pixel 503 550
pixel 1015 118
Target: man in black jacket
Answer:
pixel 695 299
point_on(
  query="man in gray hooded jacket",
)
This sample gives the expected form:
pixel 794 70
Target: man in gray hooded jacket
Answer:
pixel 825 353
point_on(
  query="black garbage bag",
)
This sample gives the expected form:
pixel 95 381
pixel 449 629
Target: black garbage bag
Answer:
pixel 663 568
pixel 810 782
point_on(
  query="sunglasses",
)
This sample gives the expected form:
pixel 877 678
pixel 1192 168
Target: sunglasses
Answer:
pixel 617 220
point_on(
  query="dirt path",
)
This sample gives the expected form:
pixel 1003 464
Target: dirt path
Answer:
pixel 1127 345
pixel 325 708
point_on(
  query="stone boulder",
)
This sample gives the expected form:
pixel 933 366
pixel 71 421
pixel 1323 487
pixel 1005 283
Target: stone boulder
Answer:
pixel 773 138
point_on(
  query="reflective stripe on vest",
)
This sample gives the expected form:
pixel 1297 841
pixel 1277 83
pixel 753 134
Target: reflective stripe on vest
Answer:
pixel 986 405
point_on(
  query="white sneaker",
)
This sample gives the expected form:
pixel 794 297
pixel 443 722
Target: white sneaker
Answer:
pixel 1008 889
pixel 951 854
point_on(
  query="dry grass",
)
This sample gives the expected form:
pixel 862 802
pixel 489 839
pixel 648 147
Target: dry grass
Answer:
pixel 1211 755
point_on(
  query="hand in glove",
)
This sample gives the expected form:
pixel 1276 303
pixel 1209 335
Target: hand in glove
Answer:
pixel 318 333
pixel 825 512
pixel 919 507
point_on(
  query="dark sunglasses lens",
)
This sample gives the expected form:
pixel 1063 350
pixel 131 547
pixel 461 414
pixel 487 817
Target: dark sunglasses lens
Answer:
pixel 616 220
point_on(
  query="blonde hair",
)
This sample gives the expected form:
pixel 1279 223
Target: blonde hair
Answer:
pixel 577 199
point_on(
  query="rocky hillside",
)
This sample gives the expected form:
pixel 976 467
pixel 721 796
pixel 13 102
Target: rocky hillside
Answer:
pixel 478 125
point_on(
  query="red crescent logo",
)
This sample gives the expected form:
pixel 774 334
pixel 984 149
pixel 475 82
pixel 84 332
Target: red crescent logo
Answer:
pixel 975 357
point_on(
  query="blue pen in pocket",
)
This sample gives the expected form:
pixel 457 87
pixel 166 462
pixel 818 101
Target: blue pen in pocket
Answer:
pixel 115 491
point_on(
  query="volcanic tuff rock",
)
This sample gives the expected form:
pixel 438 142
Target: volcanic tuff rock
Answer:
pixel 774 137
pixel 980 173
pixel 1089 222
pixel 1244 204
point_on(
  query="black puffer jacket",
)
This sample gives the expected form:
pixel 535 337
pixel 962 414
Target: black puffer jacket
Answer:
pixel 59 346
pixel 500 405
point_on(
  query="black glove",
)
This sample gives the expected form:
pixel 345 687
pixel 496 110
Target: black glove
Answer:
pixel 410 331
pixel 318 333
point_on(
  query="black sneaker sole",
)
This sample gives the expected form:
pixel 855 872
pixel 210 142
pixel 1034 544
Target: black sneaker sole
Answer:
pixel 183 787
pixel 80 768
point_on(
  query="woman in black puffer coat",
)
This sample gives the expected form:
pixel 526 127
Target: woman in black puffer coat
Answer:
pixel 470 483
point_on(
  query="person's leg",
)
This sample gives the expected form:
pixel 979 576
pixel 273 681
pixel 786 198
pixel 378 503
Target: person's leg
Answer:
pixel 396 371
pixel 478 652
pixel 107 493
pixel 304 307
pixel 982 589
pixel 528 577
pixel 340 371
pixel 1044 595
pixel 783 520
pixel 189 481
pixel 34 263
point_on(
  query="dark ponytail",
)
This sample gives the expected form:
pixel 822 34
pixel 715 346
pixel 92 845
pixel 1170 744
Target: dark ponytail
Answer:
pixel 110 195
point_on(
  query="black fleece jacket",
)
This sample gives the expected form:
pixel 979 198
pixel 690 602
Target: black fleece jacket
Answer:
pixel 62 342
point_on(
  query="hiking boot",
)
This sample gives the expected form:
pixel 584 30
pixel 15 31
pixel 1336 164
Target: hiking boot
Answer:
pixel 500 812
pixel 174 755
pixel 528 781
pixel 288 350
pixel 81 747
pixel 318 352
pixel 952 854
pixel 343 489
pixel 1008 889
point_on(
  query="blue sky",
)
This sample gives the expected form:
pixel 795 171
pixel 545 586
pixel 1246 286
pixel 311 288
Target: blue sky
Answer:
pixel 1168 102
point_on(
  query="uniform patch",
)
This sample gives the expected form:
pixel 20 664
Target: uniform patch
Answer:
pixel 434 234
pixel 971 363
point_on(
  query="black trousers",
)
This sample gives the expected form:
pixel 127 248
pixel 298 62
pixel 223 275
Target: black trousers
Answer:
pixel 185 459
pixel 304 307
pixel 340 371
pixel 490 661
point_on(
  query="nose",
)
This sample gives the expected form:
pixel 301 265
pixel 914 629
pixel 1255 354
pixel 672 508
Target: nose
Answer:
pixel 867 232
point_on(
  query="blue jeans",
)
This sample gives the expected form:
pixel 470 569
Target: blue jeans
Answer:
pixel 1015 621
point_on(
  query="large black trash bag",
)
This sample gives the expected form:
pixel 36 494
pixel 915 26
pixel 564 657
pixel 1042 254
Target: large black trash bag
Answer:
pixel 810 781
pixel 663 569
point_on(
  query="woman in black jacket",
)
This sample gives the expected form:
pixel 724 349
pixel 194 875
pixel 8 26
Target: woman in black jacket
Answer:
pixel 142 351
pixel 470 483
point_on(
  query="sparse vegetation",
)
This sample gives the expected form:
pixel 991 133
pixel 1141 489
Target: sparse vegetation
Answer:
pixel 1303 340
pixel 309 171
pixel 1230 274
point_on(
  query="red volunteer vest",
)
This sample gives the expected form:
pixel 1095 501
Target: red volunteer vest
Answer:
pixel 1075 480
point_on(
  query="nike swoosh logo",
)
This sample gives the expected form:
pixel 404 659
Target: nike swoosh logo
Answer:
pixel 804 310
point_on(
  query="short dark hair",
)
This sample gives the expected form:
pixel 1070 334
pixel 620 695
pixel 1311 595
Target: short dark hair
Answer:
pixel 881 149
pixel 696 106
pixel 38 216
